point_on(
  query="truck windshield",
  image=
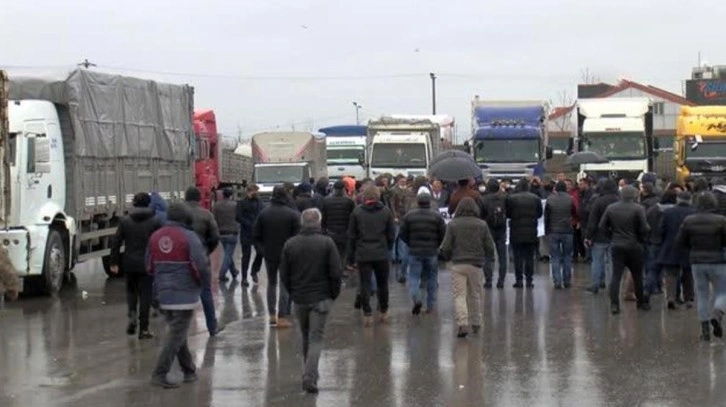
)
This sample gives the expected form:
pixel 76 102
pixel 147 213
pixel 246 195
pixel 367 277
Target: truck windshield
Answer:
pixel 514 150
pixel 706 151
pixel 345 155
pixel 399 155
pixel 625 145
pixel 279 174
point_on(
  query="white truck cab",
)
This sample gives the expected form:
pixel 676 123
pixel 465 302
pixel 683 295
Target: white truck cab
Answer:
pixel 406 153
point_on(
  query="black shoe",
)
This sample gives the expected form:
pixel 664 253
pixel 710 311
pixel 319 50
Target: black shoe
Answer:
pixel 357 302
pixel 530 285
pixel 518 284
pixel 462 332
pixel 223 279
pixel 402 280
pixel 130 329
pixel 309 387
pixel 644 306
pixel 717 328
pixel 475 329
pixel 602 286
pixel 500 285
pixel 235 274
pixel 567 285
pixel 558 286
pixel 488 285
pixel 145 334
pixel 245 283
pixel 255 279
pixel 217 331
pixel 417 308
pixel 615 309
pixel 593 290
pixel 163 382
pixel 705 331
pixel 671 305
pixel 190 377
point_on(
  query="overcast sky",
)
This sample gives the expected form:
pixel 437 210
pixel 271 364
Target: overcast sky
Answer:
pixel 268 63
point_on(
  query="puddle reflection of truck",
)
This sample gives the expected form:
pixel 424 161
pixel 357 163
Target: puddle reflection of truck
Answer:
pixel 79 146
pixel 293 157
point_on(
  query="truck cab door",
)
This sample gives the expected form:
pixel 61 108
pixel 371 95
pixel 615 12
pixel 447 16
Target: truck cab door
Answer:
pixel 35 182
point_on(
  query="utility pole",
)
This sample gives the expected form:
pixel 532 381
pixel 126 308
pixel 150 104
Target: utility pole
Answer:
pixel 357 113
pixel 433 92
pixel 87 64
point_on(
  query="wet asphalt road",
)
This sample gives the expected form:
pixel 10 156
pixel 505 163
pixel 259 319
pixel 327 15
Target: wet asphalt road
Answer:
pixel 538 348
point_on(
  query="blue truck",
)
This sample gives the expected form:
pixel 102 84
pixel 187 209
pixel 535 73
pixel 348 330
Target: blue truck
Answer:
pixel 509 138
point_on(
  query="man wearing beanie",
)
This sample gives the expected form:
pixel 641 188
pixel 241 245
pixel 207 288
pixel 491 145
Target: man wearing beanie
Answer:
pixel 626 223
pixel 275 225
pixel 423 230
pixel 178 261
pixel 336 211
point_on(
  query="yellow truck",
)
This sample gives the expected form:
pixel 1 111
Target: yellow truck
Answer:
pixel 700 145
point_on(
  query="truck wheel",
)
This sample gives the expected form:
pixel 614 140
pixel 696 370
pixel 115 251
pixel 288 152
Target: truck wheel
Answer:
pixel 106 260
pixel 54 265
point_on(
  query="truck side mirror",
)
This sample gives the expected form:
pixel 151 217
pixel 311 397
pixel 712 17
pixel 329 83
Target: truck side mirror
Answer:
pixel 361 158
pixel 548 152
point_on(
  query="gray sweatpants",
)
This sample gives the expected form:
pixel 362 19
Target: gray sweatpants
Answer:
pixel 312 319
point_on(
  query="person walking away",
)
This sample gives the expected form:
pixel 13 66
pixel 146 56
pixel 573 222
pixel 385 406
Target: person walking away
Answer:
pixel 320 192
pixel 372 234
pixel 423 231
pixel 336 213
pixel 672 257
pixel 464 190
pixel 654 240
pixel 206 228
pixel 467 244
pixel 133 232
pixel 310 270
pixel 274 226
pixel 523 211
pixel 559 214
pixel 703 234
pixel 625 221
pixel 586 200
pixel 178 262
pixel 304 198
pixel 402 199
pixel 598 239
pixel 494 213
pixel 158 205
pixel 248 209
pixel 225 212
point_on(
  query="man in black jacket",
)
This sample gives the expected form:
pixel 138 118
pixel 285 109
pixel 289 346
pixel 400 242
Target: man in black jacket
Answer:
pixel 597 238
pixel 626 223
pixel 423 230
pixel 494 213
pixel 560 211
pixel 310 270
pixel 673 258
pixel 225 215
pixel 372 234
pixel 703 234
pixel 275 225
pixel 133 233
pixel 336 211
pixel 654 240
pixel 523 211
pixel 248 209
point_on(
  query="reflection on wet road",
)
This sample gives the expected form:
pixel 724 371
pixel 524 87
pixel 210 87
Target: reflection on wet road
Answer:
pixel 537 348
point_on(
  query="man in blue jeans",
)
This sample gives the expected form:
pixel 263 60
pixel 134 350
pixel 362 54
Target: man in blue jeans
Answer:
pixel 225 214
pixel 423 230
pixel 559 213
pixel 597 238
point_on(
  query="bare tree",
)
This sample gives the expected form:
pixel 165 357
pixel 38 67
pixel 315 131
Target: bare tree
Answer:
pixel 588 77
pixel 563 123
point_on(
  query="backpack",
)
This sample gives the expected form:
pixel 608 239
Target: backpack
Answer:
pixel 496 212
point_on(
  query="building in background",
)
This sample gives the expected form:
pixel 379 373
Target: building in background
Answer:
pixel 707 85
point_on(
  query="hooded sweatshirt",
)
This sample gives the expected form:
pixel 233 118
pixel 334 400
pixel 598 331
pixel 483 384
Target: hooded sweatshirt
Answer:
pixel 158 204
pixel 133 233
pixel 371 232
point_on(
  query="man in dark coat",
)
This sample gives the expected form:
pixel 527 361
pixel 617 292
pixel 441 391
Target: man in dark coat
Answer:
pixel 304 198
pixel 597 238
pixel 523 211
pixel 248 209
pixel 320 192
pixel 672 257
pixel 559 213
pixel 423 230
pixel 133 233
pixel 653 268
pixel 625 221
pixel 336 212
pixel 225 212
pixel 372 234
pixel 494 213
pixel 310 270
pixel 276 224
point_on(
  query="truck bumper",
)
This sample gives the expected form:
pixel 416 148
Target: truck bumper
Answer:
pixel 26 249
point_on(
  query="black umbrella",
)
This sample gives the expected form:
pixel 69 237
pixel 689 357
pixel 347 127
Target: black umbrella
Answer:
pixel 450 154
pixel 453 169
pixel 586 157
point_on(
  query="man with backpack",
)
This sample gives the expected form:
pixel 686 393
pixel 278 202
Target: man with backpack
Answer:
pixel 494 213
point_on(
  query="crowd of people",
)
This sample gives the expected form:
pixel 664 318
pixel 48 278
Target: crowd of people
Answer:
pixel 313 236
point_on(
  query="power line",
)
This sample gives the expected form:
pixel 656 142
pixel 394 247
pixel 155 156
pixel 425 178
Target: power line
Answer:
pixel 286 125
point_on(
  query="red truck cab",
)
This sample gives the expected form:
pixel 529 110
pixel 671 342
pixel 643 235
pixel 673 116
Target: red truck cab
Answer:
pixel 206 165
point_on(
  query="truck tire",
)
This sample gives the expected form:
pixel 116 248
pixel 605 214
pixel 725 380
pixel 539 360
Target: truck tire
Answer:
pixel 106 261
pixel 54 263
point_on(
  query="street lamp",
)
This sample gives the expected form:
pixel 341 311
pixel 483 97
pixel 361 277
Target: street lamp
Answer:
pixel 433 92
pixel 357 110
